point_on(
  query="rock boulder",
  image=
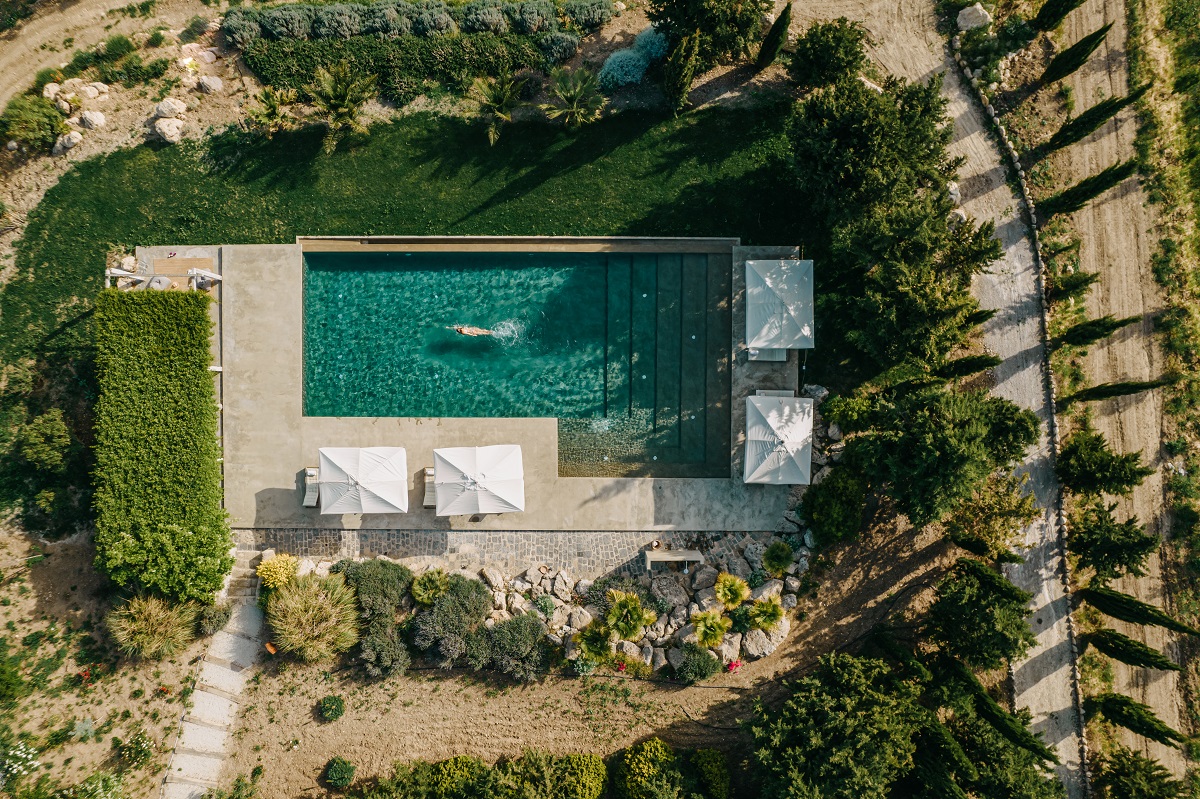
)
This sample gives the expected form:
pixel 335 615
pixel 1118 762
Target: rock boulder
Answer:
pixel 67 141
pixel 730 648
pixel 92 120
pixel 972 17
pixel 210 84
pixel 769 589
pixel 169 130
pixel 705 577
pixel 170 108
pixel 666 588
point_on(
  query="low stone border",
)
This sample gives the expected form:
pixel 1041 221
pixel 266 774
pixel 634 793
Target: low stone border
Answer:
pixel 1051 393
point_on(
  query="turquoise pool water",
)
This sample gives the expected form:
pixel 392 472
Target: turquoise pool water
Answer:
pixel 629 351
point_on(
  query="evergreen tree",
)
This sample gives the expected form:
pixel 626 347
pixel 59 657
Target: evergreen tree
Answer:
pixel 1110 390
pixel 1075 129
pixel 1071 285
pixel 1053 12
pixel 986 524
pixel 1127 608
pixel 1127 650
pixel 979 616
pixel 1124 773
pixel 1074 56
pixel 1011 727
pixel 1086 465
pixel 828 52
pixel 1133 716
pixel 776 38
pixel 679 71
pixel 1075 197
pixel 725 29
pixel 1109 547
pixel 1083 333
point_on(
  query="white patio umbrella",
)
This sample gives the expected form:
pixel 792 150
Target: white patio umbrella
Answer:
pixel 778 440
pixel 363 480
pixel 779 304
pixel 479 479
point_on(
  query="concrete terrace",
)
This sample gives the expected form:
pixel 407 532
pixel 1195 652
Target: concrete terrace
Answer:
pixel 268 441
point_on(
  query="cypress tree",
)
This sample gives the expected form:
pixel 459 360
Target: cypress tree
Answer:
pixel 1053 12
pixel 1125 773
pixel 1075 129
pixel 967 365
pixel 1005 723
pixel 882 638
pixel 1075 197
pixel 1127 650
pixel 1092 330
pixel 1086 465
pixel 1133 716
pixel 1074 56
pixel 1127 608
pixel 680 70
pixel 1109 390
pixel 1071 284
pixel 776 38
pixel 1110 547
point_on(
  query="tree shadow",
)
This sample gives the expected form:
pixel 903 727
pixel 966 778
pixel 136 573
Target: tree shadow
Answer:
pixel 286 161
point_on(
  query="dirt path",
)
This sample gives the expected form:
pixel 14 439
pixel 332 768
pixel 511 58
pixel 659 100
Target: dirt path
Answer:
pixel 1117 241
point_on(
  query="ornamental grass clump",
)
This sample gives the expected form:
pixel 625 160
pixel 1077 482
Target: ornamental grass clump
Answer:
pixel 313 618
pixel 777 558
pixel 731 591
pixel 278 571
pixel 766 614
pixel 711 627
pixel 429 586
pixel 150 628
pixel 626 616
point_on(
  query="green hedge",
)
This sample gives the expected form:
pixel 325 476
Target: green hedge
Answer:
pixel 160 526
pixel 402 65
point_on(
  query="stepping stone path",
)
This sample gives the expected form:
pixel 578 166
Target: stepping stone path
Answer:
pixel 205 736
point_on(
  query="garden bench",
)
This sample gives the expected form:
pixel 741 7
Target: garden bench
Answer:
pixel 684 556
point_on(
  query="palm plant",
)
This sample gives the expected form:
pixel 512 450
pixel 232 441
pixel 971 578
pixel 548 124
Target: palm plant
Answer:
pixel 626 616
pixel 339 97
pixel 577 97
pixel 731 591
pixel 766 614
pixel 498 98
pixel 273 114
pixel 711 627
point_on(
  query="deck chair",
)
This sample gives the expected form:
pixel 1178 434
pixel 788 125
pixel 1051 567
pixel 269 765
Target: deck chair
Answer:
pixel 311 489
pixel 430 489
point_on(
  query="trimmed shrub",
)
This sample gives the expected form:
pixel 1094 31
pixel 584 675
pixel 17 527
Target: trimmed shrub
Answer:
pixel 731 590
pixel 442 631
pixel 581 776
pixel 431 585
pixel 278 571
pixel 835 506
pixel 213 618
pixel 652 44
pixel 388 21
pixel 711 627
pixel 532 16
pixel 463 776
pixel 483 16
pixel 623 68
pixel 337 21
pixel 516 647
pixel 241 27
pixel 828 52
pixel 380 586
pixel 588 15
pixel 382 651
pixel 559 46
pixel 713 773
pixel 33 121
pixel 698 664
pixel 313 618
pixel 432 19
pixel 331 708
pixel 766 614
pixel 339 773
pixel 287 22
pixel 150 628
pixel 646 771
pixel 777 557
pixel 159 521
pixel 626 616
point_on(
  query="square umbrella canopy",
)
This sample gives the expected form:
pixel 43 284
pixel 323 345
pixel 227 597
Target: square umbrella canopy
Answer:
pixel 479 479
pixel 779 304
pixel 778 440
pixel 363 480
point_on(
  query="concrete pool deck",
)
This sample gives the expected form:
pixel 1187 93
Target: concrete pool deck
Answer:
pixel 268 441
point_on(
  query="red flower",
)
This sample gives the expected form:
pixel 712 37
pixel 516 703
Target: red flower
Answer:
pixel 734 665
pixel 620 667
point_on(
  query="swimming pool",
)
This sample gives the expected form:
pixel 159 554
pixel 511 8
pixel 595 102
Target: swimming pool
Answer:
pixel 630 351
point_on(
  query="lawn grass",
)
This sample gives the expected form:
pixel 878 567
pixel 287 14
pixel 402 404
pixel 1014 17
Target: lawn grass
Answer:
pixel 711 173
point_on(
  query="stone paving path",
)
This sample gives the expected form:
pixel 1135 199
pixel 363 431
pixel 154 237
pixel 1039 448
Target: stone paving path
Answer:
pixel 205 736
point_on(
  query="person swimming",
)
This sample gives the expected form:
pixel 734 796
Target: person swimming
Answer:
pixel 472 330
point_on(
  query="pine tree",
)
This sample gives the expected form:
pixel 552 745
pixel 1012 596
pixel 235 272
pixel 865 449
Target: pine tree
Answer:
pixel 1133 716
pixel 776 38
pixel 1054 12
pixel 1074 56
pixel 1092 330
pixel 1127 650
pixel 1124 773
pixel 1127 608
pixel 1124 388
pixel 1109 547
pixel 679 71
pixel 1075 129
pixel 1087 466
pixel 1075 197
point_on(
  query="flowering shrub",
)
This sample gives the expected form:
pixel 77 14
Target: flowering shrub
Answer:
pixel 559 46
pixel 588 15
pixel 277 571
pixel 623 68
pixel 19 760
pixel 137 750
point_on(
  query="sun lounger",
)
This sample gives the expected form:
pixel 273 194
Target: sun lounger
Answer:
pixel 311 491
pixel 430 489
pixel 775 392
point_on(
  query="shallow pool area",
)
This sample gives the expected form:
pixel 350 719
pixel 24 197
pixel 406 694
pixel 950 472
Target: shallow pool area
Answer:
pixel 629 351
